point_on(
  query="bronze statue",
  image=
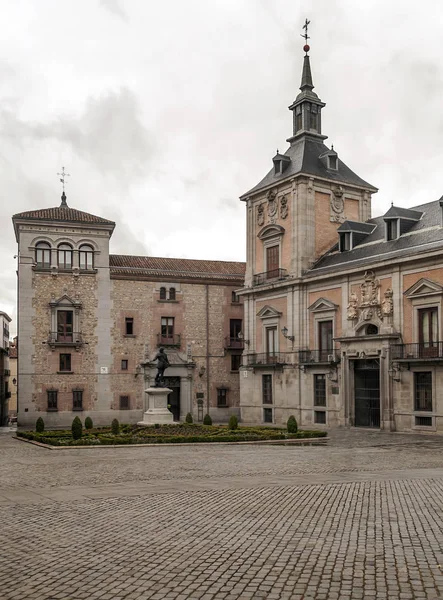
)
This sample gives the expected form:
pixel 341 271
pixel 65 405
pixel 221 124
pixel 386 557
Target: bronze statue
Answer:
pixel 162 364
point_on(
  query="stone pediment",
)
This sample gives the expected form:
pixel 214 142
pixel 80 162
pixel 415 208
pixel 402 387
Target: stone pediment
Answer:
pixel 322 305
pixel 267 312
pixel 424 287
pixel 270 231
pixel 65 300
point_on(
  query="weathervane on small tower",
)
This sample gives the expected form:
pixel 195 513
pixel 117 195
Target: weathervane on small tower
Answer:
pixel 62 176
pixel 305 35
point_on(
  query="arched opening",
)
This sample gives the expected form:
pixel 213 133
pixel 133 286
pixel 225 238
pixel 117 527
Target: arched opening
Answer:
pixel 86 257
pixel 43 255
pixel 172 293
pixel 371 329
pixel 162 293
pixel 65 256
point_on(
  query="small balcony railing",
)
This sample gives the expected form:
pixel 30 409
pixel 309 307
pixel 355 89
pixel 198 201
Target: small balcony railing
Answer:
pixel 234 343
pixel 267 359
pixel 168 340
pixel 268 276
pixel 306 357
pixel 424 351
pixel 65 339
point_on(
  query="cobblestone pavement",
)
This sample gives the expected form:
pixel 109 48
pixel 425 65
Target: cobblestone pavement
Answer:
pixel 359 518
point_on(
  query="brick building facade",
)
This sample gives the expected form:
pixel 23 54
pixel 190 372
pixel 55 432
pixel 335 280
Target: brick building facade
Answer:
pixel 343 312
pixel 90 323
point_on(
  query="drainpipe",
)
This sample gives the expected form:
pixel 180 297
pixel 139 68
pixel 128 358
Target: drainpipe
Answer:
pixel 207 349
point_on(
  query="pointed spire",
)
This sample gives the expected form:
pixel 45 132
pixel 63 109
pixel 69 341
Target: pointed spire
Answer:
pixel 64 204
pixel 306 77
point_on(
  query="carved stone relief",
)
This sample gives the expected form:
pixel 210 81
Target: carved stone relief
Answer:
pixel 283 207
pixel 272 205
pixel 337 205
pixel 368 306
pixel 260 215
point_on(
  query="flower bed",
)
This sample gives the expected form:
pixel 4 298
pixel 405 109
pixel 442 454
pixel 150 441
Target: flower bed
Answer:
pixel 177 433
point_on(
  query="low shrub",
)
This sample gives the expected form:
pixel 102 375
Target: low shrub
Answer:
pixel 292 425
pixel 76 429
pixel 233 423
pixel 115 427
pixel 189 418
pixel 40 425
pixel 88 423
pixel 207 420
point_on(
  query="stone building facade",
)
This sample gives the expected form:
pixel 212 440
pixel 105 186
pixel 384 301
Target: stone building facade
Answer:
pixel 90 323
pixel 343 312
pixel 5 372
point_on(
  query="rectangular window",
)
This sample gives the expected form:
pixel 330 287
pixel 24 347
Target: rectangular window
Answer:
pixel 52 399
pixel 124 365
pixel 77 399
pixel 391 230
pixel 124 402
pixel 272 262
pixel 345 242
pixel 129 326
pixel 271 342
pixel 320 390
pixel 167 327
pixel 65 325
pixel 428 332
pixel 320 417
pixel 234 298
pixel 325 343
pixel 423 421
pixel 235 328
pixel 65 362
pixel 267 389
pixel 222 397
pixel 235 362
pixel 267 415
pixel 423 391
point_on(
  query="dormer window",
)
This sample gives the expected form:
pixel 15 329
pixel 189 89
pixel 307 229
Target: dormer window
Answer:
pixel 332 162
pixel 391 229
pixel 345 241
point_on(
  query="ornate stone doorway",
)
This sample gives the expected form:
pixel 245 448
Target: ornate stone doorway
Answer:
pixel 174 397
pixel 367 393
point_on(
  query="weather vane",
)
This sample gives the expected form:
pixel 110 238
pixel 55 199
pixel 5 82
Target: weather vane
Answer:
pixel 62 176
pixel 305 35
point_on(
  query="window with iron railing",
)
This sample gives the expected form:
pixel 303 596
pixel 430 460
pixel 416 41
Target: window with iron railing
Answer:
pixel 423 391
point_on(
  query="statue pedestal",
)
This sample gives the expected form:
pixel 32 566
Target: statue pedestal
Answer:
pixel 157 411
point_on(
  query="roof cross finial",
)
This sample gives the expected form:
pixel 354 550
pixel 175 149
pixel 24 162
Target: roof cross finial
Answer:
pixel 305 35
pixel 62 176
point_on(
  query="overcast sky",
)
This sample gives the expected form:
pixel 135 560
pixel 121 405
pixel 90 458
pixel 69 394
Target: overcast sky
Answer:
pixel 164 113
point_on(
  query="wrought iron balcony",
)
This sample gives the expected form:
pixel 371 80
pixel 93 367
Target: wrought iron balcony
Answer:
pixel 424 351
pixel 65 339
pixel 269 276
pixel 267 359
pixel 169 340
pixel 234 343
pixel 307 357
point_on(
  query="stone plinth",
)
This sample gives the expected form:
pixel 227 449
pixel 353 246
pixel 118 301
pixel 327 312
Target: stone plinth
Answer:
pixel 157 403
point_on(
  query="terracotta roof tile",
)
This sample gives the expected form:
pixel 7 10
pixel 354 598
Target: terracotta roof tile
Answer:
pixel 61 213
pixel 180 268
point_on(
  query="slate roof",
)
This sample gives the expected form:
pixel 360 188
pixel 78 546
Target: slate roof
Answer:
pixel 423 236
pixel 405 213
pixel 62 213
pixel 178 268
pixel 305 155
pixel 356 226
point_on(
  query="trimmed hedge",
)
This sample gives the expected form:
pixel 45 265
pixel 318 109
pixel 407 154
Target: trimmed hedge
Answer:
pixel 292 425
pixel 77 428
pixel 189 418
pixel 115 427
pixel 233 423
pixel 40 425
pixel 207 420
pixel 88 423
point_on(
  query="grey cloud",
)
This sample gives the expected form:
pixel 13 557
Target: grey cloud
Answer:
pixel 109 133
pixel 114 7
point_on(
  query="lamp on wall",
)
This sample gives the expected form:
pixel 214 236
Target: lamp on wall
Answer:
pixel 285 334
pixel 14 381
pixel 241 337
pixel 395 372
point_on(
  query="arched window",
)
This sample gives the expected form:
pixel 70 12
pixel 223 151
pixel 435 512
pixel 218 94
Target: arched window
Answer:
pixel 86 257
pixel 43 255
pixel 371 329
pixel 162 293
pixel 171 293
pixel 65 256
